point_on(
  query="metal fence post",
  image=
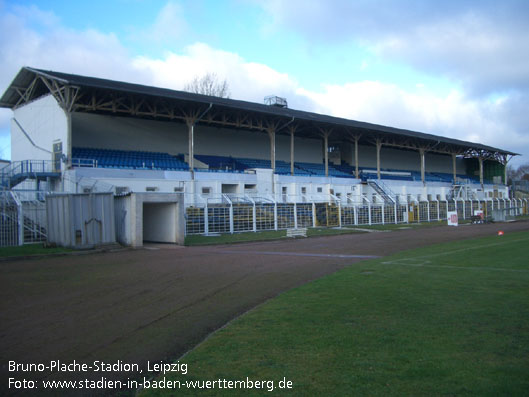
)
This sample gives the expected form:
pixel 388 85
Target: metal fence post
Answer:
pixel 395 211
pixel 206 220
pixel 340 214
pixel 275 215
pixel 20 215
pixel 295 216
pixel 355 215
pixel 254 214
pixel 383 215
pixel 231 218
pixel 313 214
pixel 369 213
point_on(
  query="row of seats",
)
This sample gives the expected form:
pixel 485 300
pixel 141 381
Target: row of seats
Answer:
pixel 128 159
pixel 133 159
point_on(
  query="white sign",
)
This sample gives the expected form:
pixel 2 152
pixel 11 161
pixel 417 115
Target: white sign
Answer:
pixel 452 218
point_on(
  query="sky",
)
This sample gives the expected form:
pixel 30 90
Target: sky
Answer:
pixel 459 69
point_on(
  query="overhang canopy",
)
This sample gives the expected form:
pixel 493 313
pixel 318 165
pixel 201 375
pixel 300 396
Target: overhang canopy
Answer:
pixel 94 95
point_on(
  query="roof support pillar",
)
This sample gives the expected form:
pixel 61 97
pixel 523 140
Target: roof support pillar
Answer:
pixel 423 166
pixel 68 139
pixel 357 171
pixel 292 129
pixel 480 159
pixel 191 120
pixel 325 134
pixel 191 145
pixel 454 166
pixel 326 152
pixel 505 160
pixel 272 135
pixel 379 146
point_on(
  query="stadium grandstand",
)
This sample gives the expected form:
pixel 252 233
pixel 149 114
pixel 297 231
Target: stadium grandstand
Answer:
pixel 240 166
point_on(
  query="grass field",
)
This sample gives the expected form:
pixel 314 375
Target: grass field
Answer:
pixel 227 238
pixel 451 319
pixel 30 249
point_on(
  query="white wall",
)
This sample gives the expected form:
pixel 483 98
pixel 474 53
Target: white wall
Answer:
pixel 44 121
pixel 156 228
pixel 123 133
pixel 408 160
pixel 130 218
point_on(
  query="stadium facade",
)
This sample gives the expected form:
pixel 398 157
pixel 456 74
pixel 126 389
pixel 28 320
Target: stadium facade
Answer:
pixel 72 133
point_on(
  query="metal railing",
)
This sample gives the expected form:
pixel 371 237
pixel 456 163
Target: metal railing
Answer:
pixel 232 217
pixel 22 217
pixel 24 167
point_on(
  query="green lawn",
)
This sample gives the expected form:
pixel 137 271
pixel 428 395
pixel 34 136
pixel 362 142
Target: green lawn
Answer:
pixel 452 319
pixel 227 238
pixel 260 236
pixel 30 249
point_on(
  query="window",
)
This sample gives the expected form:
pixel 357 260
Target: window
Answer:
pixel 151 189
pixel 178 189
pixel 206 190
pixel 320 190
pixel 122 189
pixel 303 190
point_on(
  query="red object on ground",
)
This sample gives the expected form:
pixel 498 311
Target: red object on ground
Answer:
pixel 500 233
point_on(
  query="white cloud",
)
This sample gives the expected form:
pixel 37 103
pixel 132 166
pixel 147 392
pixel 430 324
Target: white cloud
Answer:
pixel 170 25
pixel 247 80
pixel 482 44
pixel 84 52
pixel 453 115
pixel 500 123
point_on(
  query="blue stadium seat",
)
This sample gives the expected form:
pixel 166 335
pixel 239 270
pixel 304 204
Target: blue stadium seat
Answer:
pixel 130 159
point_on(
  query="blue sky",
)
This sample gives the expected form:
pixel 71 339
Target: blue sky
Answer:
pixel 452 68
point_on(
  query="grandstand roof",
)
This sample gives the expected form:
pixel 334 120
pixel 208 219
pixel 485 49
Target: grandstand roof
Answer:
pixel 90 94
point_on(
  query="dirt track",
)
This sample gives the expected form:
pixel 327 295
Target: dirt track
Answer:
pixel 157 303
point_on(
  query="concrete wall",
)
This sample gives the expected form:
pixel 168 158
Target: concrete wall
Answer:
pixel 141 216
pixel 156 227
pixel 122 133
pixel 125 133
pixel 408 160
pixel 44 121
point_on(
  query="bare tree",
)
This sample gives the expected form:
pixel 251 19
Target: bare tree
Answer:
pixel 516 174
pixel 209 84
